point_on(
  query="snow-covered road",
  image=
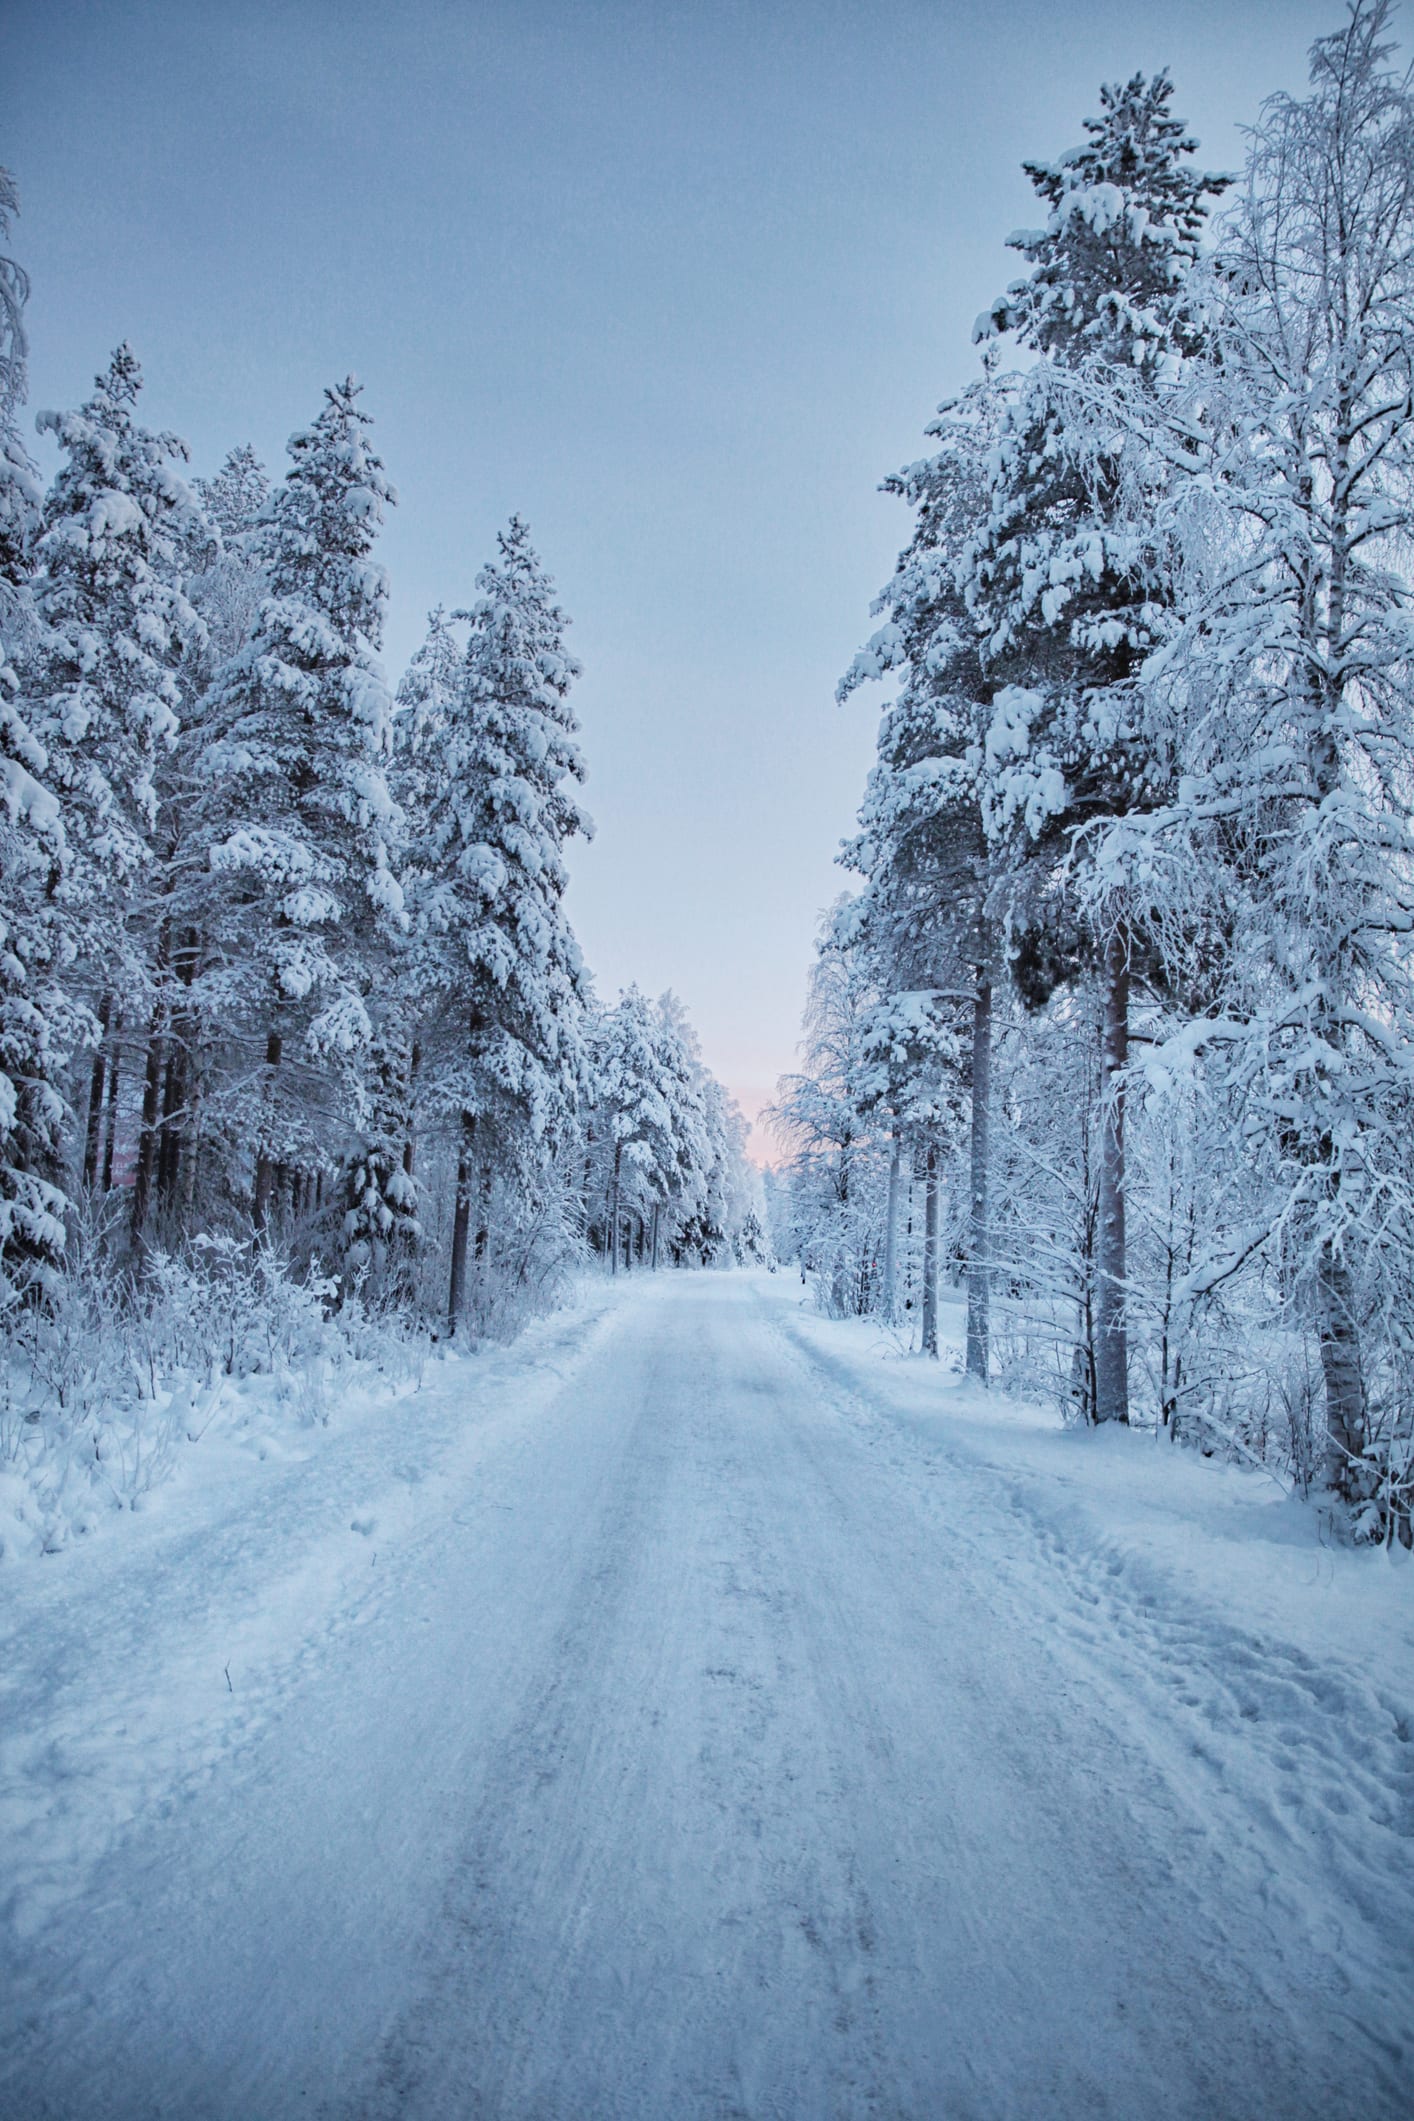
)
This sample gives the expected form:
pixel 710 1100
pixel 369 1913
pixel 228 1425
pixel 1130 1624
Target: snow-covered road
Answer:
pixel 706 1745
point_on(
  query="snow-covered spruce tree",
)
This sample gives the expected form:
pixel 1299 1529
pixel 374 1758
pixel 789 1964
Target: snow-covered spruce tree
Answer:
pixel 297 898
pixel 115 622
pixel 235 497
pixel 1288 700
pixel 912 1058
pixel 921 847
pixel 37 1023
pixel 428 694
pixel 382 1233
pixel 186 1056
pixel 104 684
pixel 835 1176
pixel 227 581
pixel 699 1194
pixel 635 1119
pixel 663 1152
pixel 494 957
pixel 729 1223
pixel 1069 593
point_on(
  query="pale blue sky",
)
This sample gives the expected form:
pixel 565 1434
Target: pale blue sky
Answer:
pixel 680 282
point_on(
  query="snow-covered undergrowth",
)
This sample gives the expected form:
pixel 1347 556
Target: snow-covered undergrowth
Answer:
pixel 104 1397
pixel 1221 1526
pixel 135 1663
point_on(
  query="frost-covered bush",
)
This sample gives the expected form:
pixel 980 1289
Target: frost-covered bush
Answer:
pixel 527 1246
pixel 101 1392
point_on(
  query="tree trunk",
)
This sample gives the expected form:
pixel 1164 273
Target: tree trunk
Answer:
pixel 614 1211
pixel 1342 1370
pixel 1111 1339
pixel 181 1073
pixel 410 1139
pixel 930 1251
pixel 95 1096
pixel 169 1141
pixel 979 1265
pixel 191 1155
pixel 588 1181
pixel 483 1214
pixel 147 1137
pixel 111 1132
pixel 265 1162
pixel 481 1247
pixel 657 1212
pixel 461 1223
pixel 910 1264
pixel 890 1292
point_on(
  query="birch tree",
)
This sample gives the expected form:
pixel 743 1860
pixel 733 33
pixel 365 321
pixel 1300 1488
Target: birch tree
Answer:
pixel 1287 699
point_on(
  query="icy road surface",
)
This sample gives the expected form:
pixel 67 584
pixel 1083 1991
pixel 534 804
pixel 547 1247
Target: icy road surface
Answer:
pixel 694 1741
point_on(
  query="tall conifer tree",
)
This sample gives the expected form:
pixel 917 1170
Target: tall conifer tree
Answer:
pixel 1069 596
pixel 298 827
pixel 493 945
pixel 37 1021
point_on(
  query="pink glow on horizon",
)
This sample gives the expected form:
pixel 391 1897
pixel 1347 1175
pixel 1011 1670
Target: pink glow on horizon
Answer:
pixel 762 1148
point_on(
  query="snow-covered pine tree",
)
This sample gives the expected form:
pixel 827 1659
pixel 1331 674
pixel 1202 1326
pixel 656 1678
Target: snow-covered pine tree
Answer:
pixel 235 497
pixel 429 690
pixel 494 954
pixel 300 902
pixel 115 623
pixel 728 1192
pixel 1287 699
pixel 638 1081
pixel 824 1117
pixel 37 1023
pixel 682 1184
pixel 913 1052
pixel 116 626
pixel 923 917
pixel 226 583
pixel 381 1230
pixel 1069 592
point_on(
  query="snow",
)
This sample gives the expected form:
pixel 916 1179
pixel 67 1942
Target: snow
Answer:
pixel 114 515
pixel 703 1708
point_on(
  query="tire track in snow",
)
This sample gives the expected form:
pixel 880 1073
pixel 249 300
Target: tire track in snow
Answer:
pixel 714 1749
pixel 652 1774
pixel 796 1822
pixel 1303 1774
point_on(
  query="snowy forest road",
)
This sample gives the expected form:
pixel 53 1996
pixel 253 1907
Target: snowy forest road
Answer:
pixel 716 1751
